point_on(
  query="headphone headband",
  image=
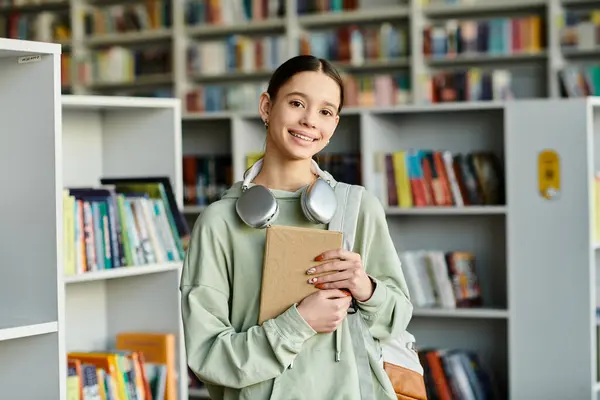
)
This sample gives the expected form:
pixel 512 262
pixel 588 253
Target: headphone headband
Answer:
pixel 257 166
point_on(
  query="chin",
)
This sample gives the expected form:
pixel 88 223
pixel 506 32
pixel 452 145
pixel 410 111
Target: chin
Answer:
pixel 299 154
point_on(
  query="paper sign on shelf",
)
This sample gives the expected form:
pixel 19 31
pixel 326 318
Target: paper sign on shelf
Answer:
pixel 29 59
pixel 548 174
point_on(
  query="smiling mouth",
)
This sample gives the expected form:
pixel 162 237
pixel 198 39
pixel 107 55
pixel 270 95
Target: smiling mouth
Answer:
pixel 301 136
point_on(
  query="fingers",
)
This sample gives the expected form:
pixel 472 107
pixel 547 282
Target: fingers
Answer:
pixel 339 254
pixel 333 266
pixel 337 276
pixel 334 285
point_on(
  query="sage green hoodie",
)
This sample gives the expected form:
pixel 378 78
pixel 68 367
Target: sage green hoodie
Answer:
pixel 284 358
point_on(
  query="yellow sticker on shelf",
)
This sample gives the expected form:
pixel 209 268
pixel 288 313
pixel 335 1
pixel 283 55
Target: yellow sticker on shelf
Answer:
pixel 548 174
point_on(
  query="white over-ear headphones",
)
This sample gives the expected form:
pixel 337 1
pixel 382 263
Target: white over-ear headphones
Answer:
pixel 258 208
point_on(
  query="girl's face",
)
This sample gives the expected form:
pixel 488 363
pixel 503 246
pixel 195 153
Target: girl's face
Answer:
pixel 303 117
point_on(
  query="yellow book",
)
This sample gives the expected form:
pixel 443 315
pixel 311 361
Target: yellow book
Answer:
pixel 596 208
pixel 402 181
pixel 69 261
pixel 536 33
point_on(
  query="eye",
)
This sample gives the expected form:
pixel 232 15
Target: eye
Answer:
pixel 327 112
pixel 295 103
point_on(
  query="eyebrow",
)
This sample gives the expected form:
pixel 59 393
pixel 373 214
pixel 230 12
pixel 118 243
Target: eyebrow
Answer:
pixel 305 96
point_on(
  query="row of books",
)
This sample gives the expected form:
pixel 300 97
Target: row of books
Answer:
pixel 345 167
pixel 469 84
pixel 360 90
pixel 237 53
pixel 381 89
pixel 121 18
pixel 141 366
pixel 580 80
pixel 205 177
pixel 356 45
pixel 581 29
pixel 457 374
pixel 226 97
pixel 319 6
pixel 22 3
pixel 488 36
pixel 226 12
pixel 119 64
pixel 441 279
pixel 43 27
pixel 368 90
pixel 425 178
pixel 124 222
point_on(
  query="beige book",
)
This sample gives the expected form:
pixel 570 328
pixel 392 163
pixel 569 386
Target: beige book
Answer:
pixel 289 253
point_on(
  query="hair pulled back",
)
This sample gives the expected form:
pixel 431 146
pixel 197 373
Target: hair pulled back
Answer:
pixel 303 63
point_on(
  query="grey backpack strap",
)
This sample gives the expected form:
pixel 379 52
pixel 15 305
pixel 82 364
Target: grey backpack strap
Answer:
pixel 345 220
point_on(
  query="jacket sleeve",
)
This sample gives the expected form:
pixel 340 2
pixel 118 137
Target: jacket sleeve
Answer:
pixel 216 353
pixel 389 310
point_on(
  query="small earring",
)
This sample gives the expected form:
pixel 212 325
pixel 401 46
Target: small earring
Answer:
pixel 266 124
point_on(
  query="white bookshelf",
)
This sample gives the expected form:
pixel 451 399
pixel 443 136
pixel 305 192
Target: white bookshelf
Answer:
pixel 122 137
pixel 31 319
pixel 553 252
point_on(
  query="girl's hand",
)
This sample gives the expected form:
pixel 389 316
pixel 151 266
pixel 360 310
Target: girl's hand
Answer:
pixel 324 310
pixel 350 273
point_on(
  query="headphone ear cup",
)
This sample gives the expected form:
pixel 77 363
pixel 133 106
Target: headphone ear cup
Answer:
pixel 305 209
pixel 257 207
pixel 319 202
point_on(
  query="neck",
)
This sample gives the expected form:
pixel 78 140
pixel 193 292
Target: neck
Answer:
pixel 283 174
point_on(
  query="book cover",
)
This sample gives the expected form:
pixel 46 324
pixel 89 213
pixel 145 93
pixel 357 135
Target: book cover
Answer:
pixel 289 253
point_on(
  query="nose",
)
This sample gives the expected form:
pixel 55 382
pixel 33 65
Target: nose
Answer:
pixel 308 120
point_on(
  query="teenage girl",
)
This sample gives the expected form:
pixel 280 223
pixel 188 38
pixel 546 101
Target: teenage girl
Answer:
pixel 295 355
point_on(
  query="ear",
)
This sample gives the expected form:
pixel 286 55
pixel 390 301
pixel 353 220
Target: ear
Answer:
pixel 264 106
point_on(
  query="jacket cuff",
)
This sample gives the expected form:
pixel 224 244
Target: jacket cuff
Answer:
pixel 293 327
pixel 377 298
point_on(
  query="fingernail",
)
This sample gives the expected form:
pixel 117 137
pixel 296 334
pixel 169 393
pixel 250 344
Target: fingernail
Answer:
pixel 319 257
pixel 312 280
pixel 311 271
pixel 319 286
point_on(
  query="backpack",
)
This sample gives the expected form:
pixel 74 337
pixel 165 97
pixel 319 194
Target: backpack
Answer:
pixel 394 361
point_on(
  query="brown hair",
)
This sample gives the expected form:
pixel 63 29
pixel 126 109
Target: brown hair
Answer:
pixel 304 63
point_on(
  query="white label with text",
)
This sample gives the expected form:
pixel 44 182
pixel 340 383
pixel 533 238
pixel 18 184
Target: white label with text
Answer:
pixel 29 59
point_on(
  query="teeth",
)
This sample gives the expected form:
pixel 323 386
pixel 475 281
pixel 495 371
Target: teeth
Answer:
pixel 308 139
